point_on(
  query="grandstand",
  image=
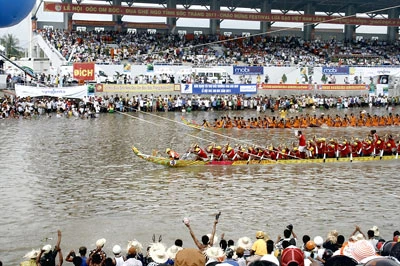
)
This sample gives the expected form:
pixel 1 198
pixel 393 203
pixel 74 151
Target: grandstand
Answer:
pixel 311 13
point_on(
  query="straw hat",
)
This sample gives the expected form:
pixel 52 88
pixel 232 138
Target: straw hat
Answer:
pixel 214 253
pixel 159 255
pixel 245 242
pixel 376 230
pixel 100 242
pixel 32 254
pixel 172 250
pixel 157 246
pixel 136 244
pixel 215 238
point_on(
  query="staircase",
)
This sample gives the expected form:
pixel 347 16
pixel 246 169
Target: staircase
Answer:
pixel 55 57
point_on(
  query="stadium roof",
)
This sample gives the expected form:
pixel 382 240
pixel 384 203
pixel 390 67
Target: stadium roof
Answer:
pixel 327 6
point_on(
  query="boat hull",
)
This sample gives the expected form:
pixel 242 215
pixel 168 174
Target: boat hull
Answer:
pixel 185 163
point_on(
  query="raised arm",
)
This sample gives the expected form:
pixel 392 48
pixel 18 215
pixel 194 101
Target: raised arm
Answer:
pixel 70 256
pixel 213 233
pixel 58 240
pixel 60 258
pixel 197 242
pixel 38 257
pixel 293 234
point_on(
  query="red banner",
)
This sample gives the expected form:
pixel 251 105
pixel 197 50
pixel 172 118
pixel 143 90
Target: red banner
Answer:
pixel 209 14
pixel 84 71
pixel 343 87
pixel 296 87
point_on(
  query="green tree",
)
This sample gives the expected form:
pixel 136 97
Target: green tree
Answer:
pixel 11 43
pixel 284 79
pixel 324 79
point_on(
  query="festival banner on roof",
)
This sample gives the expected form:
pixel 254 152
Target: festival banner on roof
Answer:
pixel 210 14
pixel 218 88
pixel 76 92
pixel 248 70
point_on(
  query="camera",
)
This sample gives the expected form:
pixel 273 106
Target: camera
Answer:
pixel 290 227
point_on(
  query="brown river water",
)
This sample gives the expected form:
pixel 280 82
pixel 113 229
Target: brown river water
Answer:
pixel 80 176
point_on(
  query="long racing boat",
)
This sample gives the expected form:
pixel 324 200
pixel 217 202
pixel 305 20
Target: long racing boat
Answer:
pixel 185 162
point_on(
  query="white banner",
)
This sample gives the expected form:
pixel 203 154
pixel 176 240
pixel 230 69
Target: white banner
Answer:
pixel 78 92
pixel 376 71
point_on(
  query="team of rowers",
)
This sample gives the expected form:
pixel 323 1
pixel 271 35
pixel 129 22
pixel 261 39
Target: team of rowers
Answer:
pixel 372 145
pixel 305 121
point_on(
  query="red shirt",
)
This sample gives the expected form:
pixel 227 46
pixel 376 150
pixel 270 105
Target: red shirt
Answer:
pixel 302 140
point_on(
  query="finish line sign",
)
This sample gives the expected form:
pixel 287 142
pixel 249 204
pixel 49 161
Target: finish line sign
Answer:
pixel 219 88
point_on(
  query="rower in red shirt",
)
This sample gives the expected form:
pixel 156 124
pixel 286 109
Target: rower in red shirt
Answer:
pixel 201 155
pixel 217 154
pixel 231 154
pixel 302 144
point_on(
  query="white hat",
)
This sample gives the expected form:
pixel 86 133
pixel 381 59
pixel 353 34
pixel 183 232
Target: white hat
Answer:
pixel 136 244
pixel 318 240
pixel 245 242
pixel 46 249
pixel 172 250
pixel 100 242
pixel 376 230
pixel 357 237
pixel 157 246
pixel 215 238
pixel 116 249
pixel 214 253
pixel 159 255
pixel 32 254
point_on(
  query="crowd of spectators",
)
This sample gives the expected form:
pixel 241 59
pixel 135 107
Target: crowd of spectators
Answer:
pixel 15 107
pixel 368 249
pixel 109 47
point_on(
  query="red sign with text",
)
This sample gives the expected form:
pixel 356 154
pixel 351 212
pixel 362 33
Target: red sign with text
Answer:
pixel 84 71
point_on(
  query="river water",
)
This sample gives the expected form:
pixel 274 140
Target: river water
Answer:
pixel 80 176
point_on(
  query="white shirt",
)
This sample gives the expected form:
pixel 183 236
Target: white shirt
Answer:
pixel 271 258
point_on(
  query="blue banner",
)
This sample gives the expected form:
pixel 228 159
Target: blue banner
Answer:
pixel 219 88
pixel 345 70
pixel 248 70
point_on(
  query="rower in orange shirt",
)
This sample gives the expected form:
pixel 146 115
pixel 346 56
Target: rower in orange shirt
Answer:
pixel 381 121
pixel 345 121
pixel 228 123
pixel 314 121
pixel 303 122
pixel 337 122
pixel 396 120
pixel 353 120
pixel 360 121
pixel 368 121
pixel 329 121
pixel 173 156
pixel 375 121
pixel 296 122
